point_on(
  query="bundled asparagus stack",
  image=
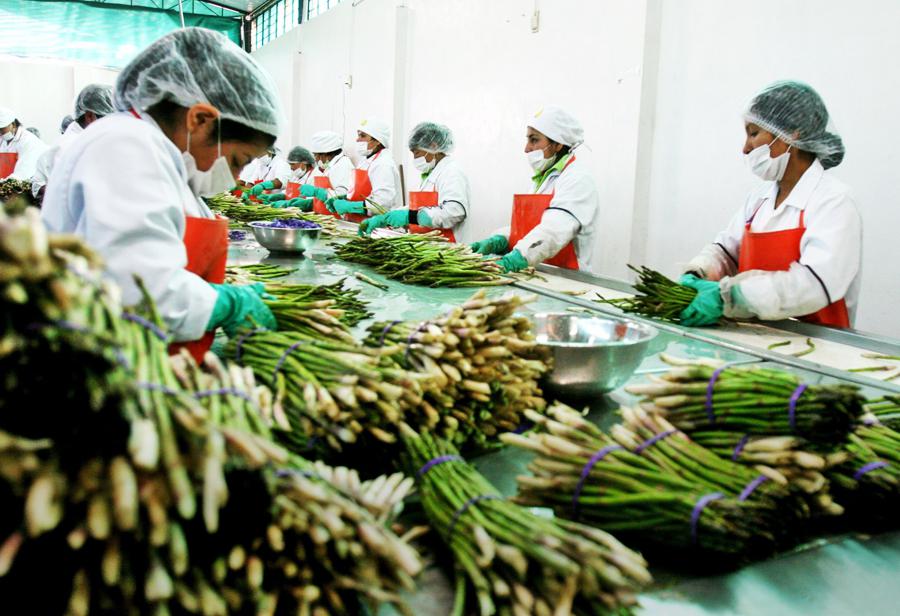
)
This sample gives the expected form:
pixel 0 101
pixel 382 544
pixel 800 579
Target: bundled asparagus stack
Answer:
pixel 424 259
pixel 651 483
pixel 517 562
pixel 240 213
pixel 483 362
pixel 134 490
pixel 657 296
pixel 886 410
pixel 15 195
pixel 256 272
pixel 869 483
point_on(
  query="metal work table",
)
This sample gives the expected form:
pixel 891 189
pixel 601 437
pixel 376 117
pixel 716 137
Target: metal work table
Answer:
pixel 834 576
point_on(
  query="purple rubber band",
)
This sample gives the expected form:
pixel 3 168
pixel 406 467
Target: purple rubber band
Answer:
pixel 290 472
pixel 587 471
pixel 465 506
pixel 410 337
pixel 284 356
pixel 435 461
pixel 157 387
pixel 385 331
pixel 240 343
pixel 525 426
pixel 751 487
pixel 229 391
pixel 62 325
pixel 653 440
pixel 792 408
pixel 709 394
pixel 871 466
pixel 871 421
pixel 702 502
pixel 148 325
pixel 739 448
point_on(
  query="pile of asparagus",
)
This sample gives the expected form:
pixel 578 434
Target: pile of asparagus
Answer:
pixel 886 410
pixel 649 482
pixel 15 195
pixel 240 213
pixel 133 475
pixel 656 296
pixel 514 561
pixel 424 259
pixel 483 363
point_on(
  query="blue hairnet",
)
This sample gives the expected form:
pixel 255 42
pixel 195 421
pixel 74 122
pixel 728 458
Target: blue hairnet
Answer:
pixel 195 65
pixel 65 123
pixel 96 98
pixel 301 155
pixel 431 137
pixel 795 113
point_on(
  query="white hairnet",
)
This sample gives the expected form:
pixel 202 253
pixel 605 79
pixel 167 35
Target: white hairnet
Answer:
pixel 377 129
pixel 65 123
pixel 559 125
pixel 96 98
pixel 194 65
pixel 795 113
pixel 325 141
pixel 300 154
pixel 34 130
pixel 431 137
pixel 7 117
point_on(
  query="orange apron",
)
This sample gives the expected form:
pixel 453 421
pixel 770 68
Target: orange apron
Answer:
pixel 362 188
pixel 292 190
pixel 322 181
pixel 8 163
pixel 420 199
pixel 526 215
pixel 774 251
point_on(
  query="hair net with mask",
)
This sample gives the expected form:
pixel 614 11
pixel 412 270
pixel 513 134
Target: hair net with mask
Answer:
pixel 559 125
pixel 300 154
pixel 195 65
pixel 795 113
pixel 96 98
pixel 432 138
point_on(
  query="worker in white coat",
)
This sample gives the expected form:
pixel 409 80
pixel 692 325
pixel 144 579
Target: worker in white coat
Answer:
pixel 268 172
pixel 795 248
pixel 303 168
pixel 376 180
pixel 556 223
pixel 334 170
pixel 19 148
pixel 193 109
pixel 442 201
pixel 92 103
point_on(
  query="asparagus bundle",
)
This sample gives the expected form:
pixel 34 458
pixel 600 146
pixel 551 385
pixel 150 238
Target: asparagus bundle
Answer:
pixel 312 319
pixel 651 483
pixel 256 272
pixel 240 213
pixel 353 308
pixel 483 362
pixel 657 296
pixel 424 259
pixel 11 187
pixel 517 562
pixel 869 483
pixel 886 410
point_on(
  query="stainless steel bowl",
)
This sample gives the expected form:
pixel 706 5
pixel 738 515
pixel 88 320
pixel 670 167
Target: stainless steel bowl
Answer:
pixel 278 239
pixel 591 355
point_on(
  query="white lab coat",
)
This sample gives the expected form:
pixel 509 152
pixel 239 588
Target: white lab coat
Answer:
pixel 301 177
pixel 830 266
pixel 48 158
pixel 29 148
pixel 122 186
pixel 452 187
pixel 385 179
pixel 340 173
pixel 572 215
pixel 262 170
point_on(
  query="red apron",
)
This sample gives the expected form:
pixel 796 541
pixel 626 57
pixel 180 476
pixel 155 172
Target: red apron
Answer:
pixel 526 215
pixel 362 188
pixel 420 199
pixel 774 251
pixel 8 163
pixel 322 181
pixel 292 190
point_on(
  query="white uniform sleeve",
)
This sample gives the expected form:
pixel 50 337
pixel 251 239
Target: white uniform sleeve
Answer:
pixel 133 217
pixel 720 258
pixel 384 188
pixel 452 187
pixel 248 173
pixel 42 170
pixel 281 171
pixel 830 256
pixel 556 229
pixel 341 176
pixel 29 150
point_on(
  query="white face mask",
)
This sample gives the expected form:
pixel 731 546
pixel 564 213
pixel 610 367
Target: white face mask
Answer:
pixel 537 161
pixel 362 148
pixel 761 163
pixel 211 182
pixel 422 165
pixel 9 136
pixel 321 165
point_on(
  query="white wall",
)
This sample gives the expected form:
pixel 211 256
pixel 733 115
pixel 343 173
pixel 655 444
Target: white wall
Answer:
pixel 658 84
pixel 713 57
pixel 45 91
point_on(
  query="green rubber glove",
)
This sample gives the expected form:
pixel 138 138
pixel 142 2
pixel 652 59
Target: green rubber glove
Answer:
pixel 707 307
pixel 308 190
pixel 513 262
pixel 494 245
pixel 272 197
pixel 342 206
pixel 394 218
pixel 423 219
pixel 258 189
pixel 299 202
pixel 234 304
pixel 329 203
